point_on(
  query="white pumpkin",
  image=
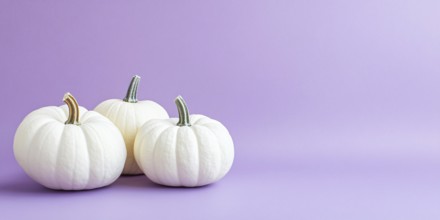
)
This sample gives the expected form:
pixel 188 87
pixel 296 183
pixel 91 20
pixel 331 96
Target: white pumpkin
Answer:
pixel 128 115
pixel 61 150
pixel 190 151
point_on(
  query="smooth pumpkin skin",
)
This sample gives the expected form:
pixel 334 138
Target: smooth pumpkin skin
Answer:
pixel 68 156
pixel 128 117
pixel 187 156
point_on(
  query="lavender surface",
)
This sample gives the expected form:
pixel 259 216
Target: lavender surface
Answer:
pixel 333 106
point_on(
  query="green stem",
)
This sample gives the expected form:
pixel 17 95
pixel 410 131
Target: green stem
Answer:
pixel 131 95
pixel 71 102
pixel 183 112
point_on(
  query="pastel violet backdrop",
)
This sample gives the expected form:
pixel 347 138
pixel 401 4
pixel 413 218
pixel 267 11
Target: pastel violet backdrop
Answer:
pixel 333 105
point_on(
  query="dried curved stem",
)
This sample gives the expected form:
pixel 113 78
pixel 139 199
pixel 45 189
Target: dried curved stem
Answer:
pixel 71 102
pixel 131 95
pixel 183 112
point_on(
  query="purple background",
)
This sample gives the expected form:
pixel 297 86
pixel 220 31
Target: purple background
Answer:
pixel 333 105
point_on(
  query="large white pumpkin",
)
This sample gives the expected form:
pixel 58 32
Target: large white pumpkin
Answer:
pixel 61 150
pixel 190 151
pixel 128 115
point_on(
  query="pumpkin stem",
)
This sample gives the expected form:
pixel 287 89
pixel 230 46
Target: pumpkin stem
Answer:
pixel 183 112
pixel 132 90
pixel 71 102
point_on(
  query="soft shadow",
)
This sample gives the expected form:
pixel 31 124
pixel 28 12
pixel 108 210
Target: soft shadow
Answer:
pixel 138 181
pixel 141 181
pixel 23 185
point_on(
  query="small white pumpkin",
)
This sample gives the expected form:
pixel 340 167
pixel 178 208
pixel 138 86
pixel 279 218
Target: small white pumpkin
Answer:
pixel 61 150
pixel 128 115
pixel 190 151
